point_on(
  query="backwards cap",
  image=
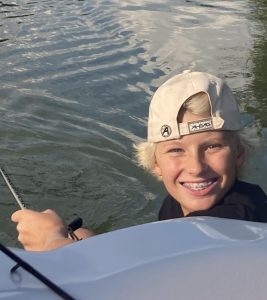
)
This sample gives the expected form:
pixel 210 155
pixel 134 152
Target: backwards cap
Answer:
pixel 169 98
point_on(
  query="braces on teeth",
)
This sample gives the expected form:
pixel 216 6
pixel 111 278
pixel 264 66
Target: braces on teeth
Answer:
pixel 198 186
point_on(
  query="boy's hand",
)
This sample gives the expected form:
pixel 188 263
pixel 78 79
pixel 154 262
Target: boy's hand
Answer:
pixel 40 231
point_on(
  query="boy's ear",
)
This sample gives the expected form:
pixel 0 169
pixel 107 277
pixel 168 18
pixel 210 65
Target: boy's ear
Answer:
pixel 157 169
pixel 240 157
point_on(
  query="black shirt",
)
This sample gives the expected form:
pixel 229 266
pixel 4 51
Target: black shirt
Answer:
pixel 244 201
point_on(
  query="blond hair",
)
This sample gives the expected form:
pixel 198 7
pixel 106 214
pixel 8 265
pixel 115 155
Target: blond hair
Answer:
pixel 197 104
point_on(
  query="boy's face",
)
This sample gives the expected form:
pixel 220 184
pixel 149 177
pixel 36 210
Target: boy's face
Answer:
pixel 198 169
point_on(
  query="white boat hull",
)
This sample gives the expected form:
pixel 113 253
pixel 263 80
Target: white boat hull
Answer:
pixel 189 258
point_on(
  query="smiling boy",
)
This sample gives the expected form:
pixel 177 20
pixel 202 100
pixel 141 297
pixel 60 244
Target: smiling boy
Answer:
pixel 196 148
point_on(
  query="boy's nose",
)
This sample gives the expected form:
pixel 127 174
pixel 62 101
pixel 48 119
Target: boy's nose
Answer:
pixel 196 164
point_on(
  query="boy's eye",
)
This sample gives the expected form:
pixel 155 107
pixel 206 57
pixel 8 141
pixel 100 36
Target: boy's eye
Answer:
pixel 214 146
pixel 175 150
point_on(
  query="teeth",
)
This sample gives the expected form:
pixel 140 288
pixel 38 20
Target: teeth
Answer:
pixel 197 185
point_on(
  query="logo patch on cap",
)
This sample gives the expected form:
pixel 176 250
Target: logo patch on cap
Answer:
pixel 201 125
pixel 166 130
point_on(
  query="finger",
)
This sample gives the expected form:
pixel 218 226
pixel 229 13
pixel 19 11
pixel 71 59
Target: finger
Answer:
pixel 50 212
pixel 17 215
pixel 22 240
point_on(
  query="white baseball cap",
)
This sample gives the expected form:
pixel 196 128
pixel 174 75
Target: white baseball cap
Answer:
pixel 170 96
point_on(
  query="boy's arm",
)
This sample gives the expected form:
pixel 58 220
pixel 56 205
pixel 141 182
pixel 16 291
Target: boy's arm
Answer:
pixel 42 231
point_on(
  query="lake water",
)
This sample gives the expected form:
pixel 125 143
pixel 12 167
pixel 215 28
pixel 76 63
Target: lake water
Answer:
pixel 76 78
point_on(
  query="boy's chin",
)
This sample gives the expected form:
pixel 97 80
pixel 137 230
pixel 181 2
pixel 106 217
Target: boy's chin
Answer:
pixel 199 207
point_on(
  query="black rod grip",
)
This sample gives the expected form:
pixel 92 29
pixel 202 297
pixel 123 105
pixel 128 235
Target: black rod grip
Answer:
pixel 75 224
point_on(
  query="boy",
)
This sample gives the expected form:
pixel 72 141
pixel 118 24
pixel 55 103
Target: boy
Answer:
pixel 194 145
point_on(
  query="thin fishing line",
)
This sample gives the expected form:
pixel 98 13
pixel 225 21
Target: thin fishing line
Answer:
pixel 75 224
pixel 12 188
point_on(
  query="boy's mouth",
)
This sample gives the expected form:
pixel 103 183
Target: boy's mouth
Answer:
pixel 198 186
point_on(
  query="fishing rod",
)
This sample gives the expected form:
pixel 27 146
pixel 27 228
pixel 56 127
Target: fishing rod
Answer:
pixel 29 268
pixel 12 189
pixel 74 225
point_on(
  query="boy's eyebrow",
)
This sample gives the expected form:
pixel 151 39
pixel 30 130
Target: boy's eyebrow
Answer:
pixel 171 143
pixel 209 139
